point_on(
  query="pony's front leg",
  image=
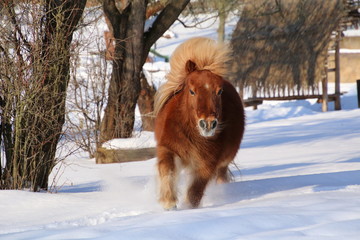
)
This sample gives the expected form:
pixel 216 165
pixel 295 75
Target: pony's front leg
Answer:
pixel 197 187
pixel 222 175
pixel 167 176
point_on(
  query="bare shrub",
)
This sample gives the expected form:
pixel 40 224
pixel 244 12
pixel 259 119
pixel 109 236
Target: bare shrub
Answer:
pixel 35 41
pixel 87 95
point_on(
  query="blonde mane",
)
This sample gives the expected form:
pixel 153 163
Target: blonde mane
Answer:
pixel 205 53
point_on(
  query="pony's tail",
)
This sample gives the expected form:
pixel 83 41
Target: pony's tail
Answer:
pixel 206 53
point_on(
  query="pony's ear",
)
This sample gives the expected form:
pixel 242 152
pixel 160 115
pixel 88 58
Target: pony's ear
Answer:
pixel 190 66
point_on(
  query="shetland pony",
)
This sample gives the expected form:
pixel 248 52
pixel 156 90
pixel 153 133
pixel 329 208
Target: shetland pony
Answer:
pixel 199 120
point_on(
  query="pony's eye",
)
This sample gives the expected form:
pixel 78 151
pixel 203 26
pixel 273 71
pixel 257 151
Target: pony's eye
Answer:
pixel 220 92
pixel 192 92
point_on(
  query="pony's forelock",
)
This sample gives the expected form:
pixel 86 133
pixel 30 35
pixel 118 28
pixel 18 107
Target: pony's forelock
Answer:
pixel 205 53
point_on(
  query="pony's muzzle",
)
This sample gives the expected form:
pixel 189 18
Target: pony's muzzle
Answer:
pixel 208 125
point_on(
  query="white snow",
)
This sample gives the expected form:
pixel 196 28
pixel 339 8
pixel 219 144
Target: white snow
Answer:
pixel 299 178
pixel 143 139
pixel 352 32
pixel 344 50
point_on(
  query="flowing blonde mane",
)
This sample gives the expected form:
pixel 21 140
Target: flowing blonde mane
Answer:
pixel 205 53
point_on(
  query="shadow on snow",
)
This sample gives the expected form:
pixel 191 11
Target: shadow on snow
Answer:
pixel 245 190
pixel 82 188
pixel 300 132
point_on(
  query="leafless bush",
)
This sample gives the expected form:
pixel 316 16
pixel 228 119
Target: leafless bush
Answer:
pixel 35 40
pixel 86 97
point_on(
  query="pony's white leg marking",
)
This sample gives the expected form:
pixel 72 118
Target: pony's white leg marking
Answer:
pixel 168 185
pixel 168 192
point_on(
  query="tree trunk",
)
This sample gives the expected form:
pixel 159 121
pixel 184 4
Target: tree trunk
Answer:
pixel 132 46
pixel 146 104
pixel 221 7
pixel 128 27
pixel 56 42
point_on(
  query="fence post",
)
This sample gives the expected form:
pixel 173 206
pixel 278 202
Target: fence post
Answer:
pixel 337 71
pixel 325 97
pixel 358 92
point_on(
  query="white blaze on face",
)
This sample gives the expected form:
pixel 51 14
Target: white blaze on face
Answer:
pixel 207 125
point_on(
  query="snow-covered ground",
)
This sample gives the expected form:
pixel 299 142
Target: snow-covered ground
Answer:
pixel 299 178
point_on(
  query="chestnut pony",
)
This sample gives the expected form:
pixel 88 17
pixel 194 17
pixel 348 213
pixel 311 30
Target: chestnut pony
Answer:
pixel 199 120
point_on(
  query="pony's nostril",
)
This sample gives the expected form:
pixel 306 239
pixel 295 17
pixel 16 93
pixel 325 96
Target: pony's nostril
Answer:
pixel 202 124
pixel 213 124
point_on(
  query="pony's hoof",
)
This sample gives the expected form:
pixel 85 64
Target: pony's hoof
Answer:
pixel 169 206
pixel 174 208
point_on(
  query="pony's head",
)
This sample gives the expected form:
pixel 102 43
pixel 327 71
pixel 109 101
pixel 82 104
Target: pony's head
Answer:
pixel 203 91
pixel 204 54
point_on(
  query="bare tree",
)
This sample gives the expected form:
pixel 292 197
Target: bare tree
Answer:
pixel 132 46
pixel 280 46
pixel 214 9
pixel 35 48
pixel 224 7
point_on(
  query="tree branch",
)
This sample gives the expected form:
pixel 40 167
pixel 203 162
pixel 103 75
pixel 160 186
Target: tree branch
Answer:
pixel 72 15
pixel 198 22
pixel 162 23
pixel 12 14
pixel 113 14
